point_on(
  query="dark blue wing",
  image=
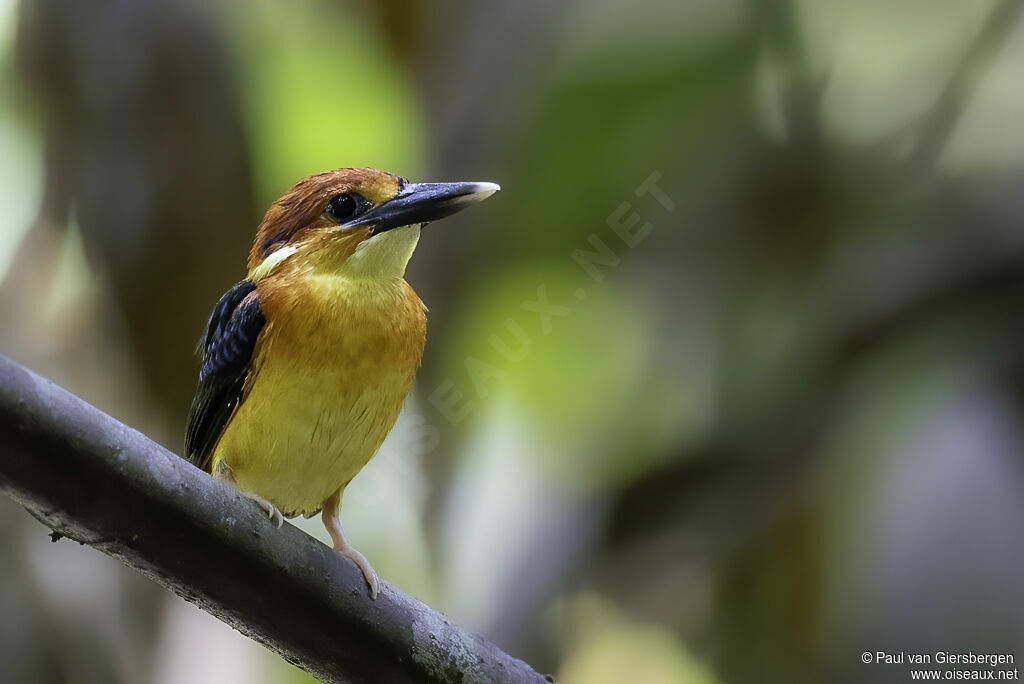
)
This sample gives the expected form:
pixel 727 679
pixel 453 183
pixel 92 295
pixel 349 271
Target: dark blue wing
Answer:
pixel 227 348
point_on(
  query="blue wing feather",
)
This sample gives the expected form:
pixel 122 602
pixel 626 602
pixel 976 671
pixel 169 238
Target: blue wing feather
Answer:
pixel 227 348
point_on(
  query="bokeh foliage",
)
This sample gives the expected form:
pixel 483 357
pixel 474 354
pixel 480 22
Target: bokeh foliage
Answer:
pixel 782 428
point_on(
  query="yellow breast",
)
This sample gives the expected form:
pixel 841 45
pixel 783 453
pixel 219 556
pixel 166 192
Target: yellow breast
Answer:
pixel 332 367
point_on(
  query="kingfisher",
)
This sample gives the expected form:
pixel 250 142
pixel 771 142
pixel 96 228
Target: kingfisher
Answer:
pixel 305 364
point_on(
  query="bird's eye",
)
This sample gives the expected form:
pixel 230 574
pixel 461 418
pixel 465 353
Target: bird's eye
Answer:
pixel 345 206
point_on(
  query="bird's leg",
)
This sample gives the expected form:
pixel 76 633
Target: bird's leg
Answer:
pixel 329 514
pixel 222 472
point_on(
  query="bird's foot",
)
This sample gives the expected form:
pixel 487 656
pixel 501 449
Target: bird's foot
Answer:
pixel 272 512
pixel 329 514
pixel 347 551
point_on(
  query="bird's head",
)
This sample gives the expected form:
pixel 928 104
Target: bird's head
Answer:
pixel 359 222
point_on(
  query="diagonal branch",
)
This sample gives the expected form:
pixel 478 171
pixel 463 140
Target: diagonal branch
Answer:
pixel 101 483
pixel 956 95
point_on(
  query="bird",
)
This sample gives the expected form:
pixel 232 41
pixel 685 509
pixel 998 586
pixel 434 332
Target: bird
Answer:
pixel 306 362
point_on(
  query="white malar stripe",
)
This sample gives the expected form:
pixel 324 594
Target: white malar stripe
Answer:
pixel 272 261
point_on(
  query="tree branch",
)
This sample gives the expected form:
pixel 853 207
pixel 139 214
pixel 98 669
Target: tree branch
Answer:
pixel 101 483
pixel 944 115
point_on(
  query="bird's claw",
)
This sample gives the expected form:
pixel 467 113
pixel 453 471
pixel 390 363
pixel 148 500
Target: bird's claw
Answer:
pixel 360 560
pixel 272 511
pixel 275 515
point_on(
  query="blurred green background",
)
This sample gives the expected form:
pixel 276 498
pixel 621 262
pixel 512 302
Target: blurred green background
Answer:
pixel 726 385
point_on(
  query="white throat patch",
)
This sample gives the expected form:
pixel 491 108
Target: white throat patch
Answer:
pixel 384 255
